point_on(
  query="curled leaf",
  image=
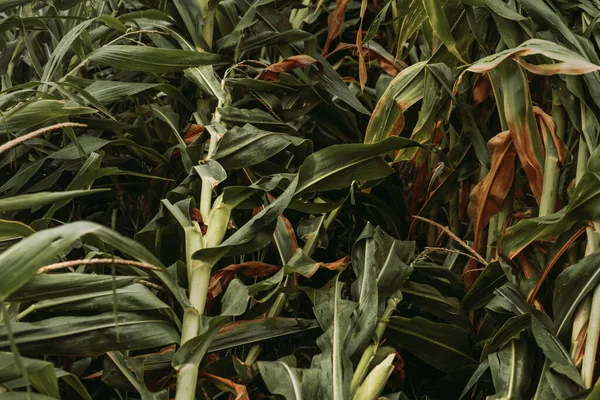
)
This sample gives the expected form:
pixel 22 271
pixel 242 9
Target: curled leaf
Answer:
pixel 335 22
pixel 272 71
pixel 569 62
pixel 487 196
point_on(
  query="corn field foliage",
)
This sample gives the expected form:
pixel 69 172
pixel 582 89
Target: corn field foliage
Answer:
pixel 292 199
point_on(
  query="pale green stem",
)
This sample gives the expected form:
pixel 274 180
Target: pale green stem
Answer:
pixel 582 315
pixel 191 316
pixel 199 275
pixel 186 382
pixel 253 354
pixel 551 166
pixel 550 184
pixel 206 191
pixel 199 279
pixel 593 329
pixel 591 342
pixel 198 287
pixel 190 324
pixel 582 159
pixel 595 394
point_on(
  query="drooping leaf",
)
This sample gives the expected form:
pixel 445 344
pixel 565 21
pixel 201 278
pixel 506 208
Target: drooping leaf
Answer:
pixel 482 290
pixel 132 298
pixel 14 229
pixel 267 38
pixel 48 287
pixel 569 62
pixel 21 261
pixel 238 333
pixel 89 335
pixel 404 90
pixel 31 113
pixel 246 146
pixel 443 346
pixel 26 201
pixel 430 300
pixel 151 59
pixel 108 92
pixel 25 396
pixel 335 167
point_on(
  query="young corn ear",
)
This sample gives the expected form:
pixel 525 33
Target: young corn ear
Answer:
pixel 375 382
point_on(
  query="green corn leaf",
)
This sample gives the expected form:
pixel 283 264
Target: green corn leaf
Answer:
pixel 151 59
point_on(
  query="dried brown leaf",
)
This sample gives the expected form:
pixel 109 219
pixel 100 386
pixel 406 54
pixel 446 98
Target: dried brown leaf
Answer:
pixel 487 196
pixel 193 132
pixel 272 72
pixel 335 22
pixel 240 391
pixel 481 88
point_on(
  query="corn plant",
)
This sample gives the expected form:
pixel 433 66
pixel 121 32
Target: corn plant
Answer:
pixel 331 200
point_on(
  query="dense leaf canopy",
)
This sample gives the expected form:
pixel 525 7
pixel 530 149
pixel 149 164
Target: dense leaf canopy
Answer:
pixel 294 199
